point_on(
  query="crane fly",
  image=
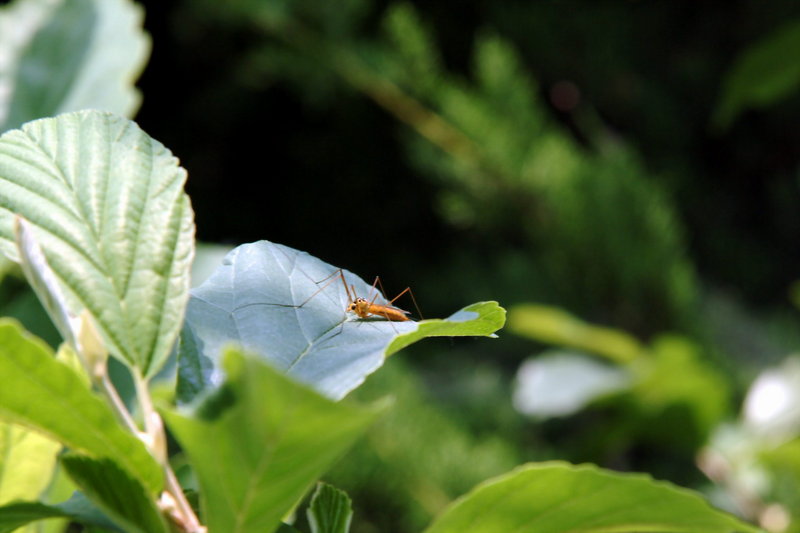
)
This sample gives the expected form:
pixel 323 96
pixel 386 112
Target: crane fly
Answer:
pixel 366 308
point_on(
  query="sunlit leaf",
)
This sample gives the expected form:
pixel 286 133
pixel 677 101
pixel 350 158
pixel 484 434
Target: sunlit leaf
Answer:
pixel 558 497
pixel 107 207
pixel 27 461
pixel 68 55
pixel 41 393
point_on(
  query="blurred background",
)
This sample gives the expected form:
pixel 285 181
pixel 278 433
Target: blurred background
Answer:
pixel 622 176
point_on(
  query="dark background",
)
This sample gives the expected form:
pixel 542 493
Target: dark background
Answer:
pixel 333 179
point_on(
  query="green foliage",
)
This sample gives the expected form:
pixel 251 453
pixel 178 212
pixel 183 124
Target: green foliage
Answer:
pixel 669 381
pixel 289 307
pixel 589 500
pixel 676 375
pixel 260 442
pixel 69 55
pixel 94 211
pixel 411 463
pixel 763 74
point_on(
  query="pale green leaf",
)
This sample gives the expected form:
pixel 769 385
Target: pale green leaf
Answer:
pixel 43 281
pixel 259 442
pixel 290 308
pixel 557 497
pixel 67 55
pixel 27 462
pixel 107 206
pixel 555 326
pixel 41 393
pixel 559 383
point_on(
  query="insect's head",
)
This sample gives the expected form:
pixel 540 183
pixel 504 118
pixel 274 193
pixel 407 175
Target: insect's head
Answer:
pixel 356 304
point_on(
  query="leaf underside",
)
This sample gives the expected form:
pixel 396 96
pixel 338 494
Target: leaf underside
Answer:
pixel 290 308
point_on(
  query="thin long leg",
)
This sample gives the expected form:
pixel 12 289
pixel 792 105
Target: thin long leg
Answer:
pixel 406 290
pixel 376 293
pixel 330 279
pixel 350 297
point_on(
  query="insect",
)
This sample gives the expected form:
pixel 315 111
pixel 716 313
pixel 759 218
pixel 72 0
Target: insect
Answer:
pixel 364 308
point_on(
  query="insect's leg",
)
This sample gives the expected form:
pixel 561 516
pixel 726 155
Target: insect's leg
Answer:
pixel 376 293
pixel 410 293
pixel 330 279
pixel 350 297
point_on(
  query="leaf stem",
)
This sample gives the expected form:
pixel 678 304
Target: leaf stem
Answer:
pixel 156 443
pixel 116 402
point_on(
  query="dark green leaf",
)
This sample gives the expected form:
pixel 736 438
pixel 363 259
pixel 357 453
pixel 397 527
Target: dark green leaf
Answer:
pixel 77 509
pixel 763 74
pixel 123 497
pixel 330 510
pixel 259 442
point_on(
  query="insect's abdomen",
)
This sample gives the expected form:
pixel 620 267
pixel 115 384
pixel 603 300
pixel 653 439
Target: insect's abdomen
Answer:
pixel 389 313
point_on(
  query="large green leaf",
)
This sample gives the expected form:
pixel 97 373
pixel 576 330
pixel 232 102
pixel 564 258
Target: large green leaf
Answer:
pixel 107 206
pixel 122 496
pixel 289 307
pixel 556 497
pixel 27 461
pixel 68 55
pixel 260 442
pixel 41 393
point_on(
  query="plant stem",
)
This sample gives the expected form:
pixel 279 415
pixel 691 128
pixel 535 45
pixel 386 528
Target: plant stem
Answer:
pixel 117 403
pixel 154 429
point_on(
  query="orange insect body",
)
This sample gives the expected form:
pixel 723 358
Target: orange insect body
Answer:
pixel 364 309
